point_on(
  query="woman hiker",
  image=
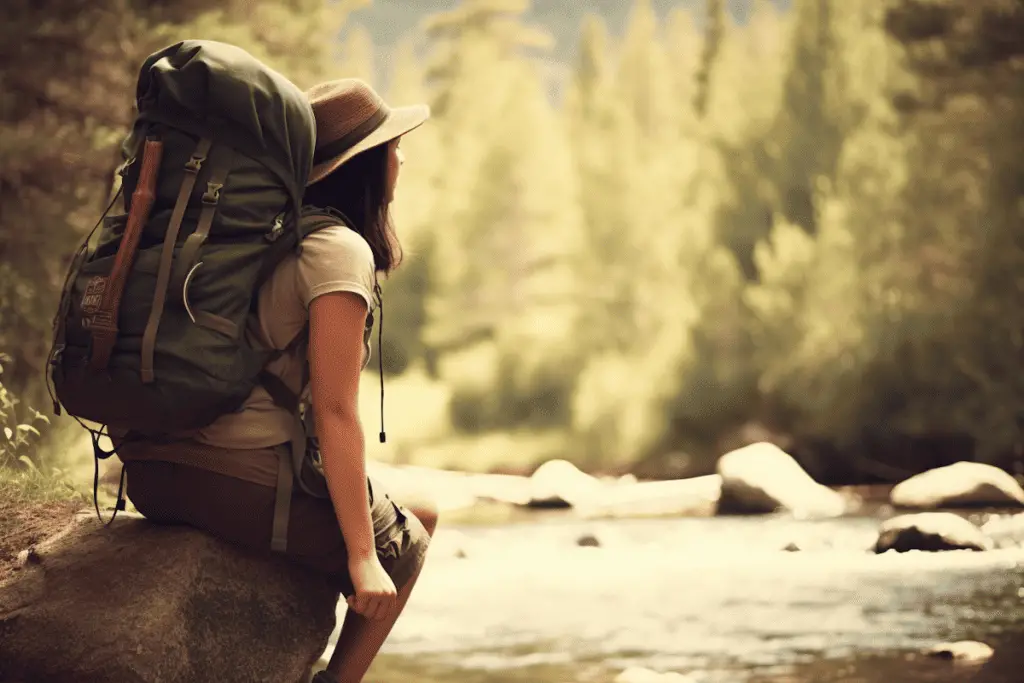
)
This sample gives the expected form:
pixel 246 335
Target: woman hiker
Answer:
pixel 223 480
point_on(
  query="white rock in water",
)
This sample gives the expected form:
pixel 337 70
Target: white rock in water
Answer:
pixel 637 674
pixel 763 478
pixel 962 651
pixel 559 482
pixel 930 531
pixel 959 484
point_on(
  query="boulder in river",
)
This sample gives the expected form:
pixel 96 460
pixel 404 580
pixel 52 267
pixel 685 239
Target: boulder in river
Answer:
pixel 970 651
pixel 930 531
pixel 962 484
pixel 762 478
pixel 638 674
pixel 560 484
pixel 146 603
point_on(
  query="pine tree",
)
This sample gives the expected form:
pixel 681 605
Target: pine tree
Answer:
pixel 714 28
pixel 808 129
pixel 959 352
pixel 507 221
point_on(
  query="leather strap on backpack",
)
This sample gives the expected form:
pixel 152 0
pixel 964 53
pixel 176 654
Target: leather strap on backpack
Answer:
pixel 188 183
pixel 103 326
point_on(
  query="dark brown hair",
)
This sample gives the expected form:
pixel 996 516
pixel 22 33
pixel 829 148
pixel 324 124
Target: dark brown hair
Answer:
pixel 358 189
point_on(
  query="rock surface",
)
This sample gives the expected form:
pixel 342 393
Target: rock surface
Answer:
pixel 762 478
pixel 930 531
pixel 560 484
pixel 140 603
pixel 637 674
pixel 962 651
pixel 962 484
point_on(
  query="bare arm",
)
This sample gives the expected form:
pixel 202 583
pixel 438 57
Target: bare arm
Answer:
pixel 336 323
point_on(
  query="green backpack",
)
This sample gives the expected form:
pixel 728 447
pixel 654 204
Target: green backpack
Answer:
pixel 151 335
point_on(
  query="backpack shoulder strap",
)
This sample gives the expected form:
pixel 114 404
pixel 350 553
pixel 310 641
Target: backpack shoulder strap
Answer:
pixel 315 218
pixel 311 220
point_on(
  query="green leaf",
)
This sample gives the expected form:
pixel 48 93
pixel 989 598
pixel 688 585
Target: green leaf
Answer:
pixel 8 433
pixel 29 428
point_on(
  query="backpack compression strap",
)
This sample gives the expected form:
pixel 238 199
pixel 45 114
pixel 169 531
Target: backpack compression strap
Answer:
pixel 188 258
pixel 156 310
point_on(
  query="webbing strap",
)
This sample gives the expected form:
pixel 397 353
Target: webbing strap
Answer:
pixel 163 276
pixel 300 445
pixel 282 502
pixel 189 255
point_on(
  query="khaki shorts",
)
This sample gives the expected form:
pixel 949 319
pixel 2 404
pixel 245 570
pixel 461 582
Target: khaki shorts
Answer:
pixel 242 513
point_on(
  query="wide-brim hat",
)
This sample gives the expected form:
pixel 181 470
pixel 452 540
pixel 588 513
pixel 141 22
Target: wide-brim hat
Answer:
pixel 351 118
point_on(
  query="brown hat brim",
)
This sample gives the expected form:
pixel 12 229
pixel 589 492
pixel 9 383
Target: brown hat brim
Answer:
pixel 400 121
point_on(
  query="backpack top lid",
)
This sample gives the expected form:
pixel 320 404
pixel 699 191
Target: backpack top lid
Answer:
pixel 209 88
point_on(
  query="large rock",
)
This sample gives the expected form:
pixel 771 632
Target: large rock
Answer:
pixel 560 484
pixel 762 478
pixel 972 651
pixel 930 531
pixel 139 603
pixel 962 484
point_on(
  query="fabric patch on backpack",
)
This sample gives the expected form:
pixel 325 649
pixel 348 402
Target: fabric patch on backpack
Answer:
pixel 93 295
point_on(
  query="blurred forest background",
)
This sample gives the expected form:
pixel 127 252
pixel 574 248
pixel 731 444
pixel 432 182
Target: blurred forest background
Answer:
pixel 638 233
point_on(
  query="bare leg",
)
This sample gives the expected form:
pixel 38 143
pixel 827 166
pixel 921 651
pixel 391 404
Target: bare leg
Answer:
pixel 361 639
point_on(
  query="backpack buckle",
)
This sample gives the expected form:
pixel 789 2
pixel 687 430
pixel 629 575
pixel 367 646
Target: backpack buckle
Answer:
pixel 212 194
pixel 277 230
pixel 194 164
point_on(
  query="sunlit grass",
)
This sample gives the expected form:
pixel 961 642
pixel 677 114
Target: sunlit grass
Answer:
pixel 30 485
pixel 34 505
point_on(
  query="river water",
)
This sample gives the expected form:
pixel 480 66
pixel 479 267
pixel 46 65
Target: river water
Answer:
pixel 717 599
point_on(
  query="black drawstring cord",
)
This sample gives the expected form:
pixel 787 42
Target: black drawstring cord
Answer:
pixel 380 357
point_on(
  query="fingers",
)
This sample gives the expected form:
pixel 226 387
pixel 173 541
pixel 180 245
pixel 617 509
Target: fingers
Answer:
pixel 387 606
pixel 377 607
pixel 374 608
pixel 358 603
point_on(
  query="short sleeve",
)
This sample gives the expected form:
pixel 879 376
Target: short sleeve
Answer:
pixel 335 259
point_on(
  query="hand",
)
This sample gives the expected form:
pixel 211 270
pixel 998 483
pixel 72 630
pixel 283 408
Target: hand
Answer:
pixel 375 596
